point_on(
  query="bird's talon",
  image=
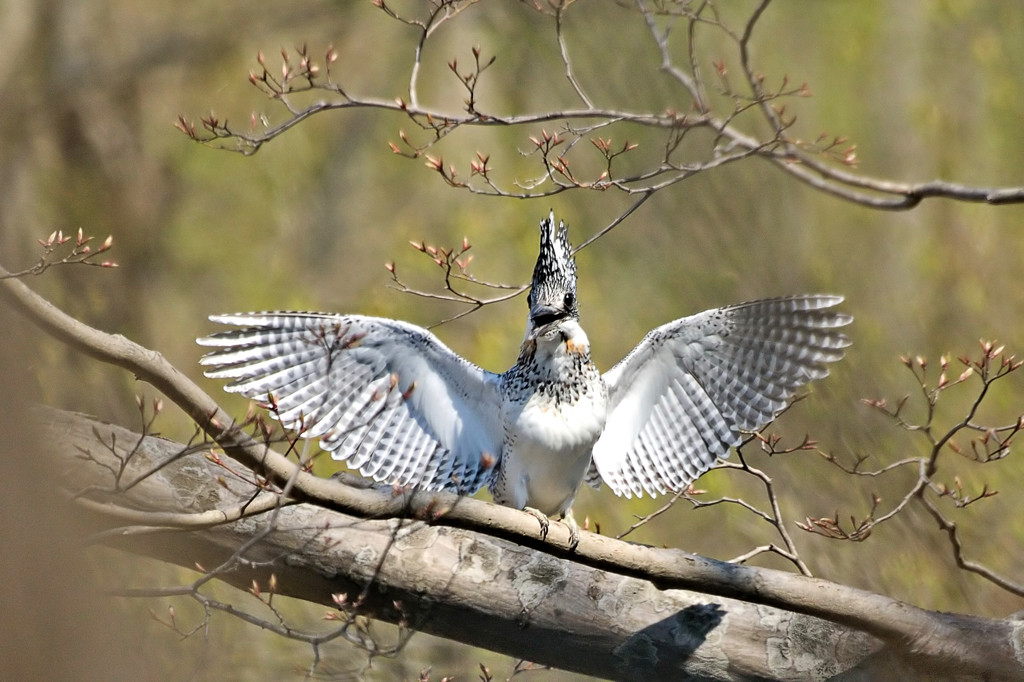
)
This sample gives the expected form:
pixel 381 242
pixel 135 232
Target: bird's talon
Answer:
pixel 574 530
pixel 542 518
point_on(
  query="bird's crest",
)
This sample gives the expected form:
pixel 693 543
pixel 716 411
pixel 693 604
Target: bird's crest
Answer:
pixel 554 276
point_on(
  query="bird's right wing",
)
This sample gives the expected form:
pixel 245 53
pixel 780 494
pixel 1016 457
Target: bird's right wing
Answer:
pixel 387 396
pixel 690 390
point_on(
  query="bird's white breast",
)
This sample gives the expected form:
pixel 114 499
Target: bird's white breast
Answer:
pixel 550 450
pixel 551 429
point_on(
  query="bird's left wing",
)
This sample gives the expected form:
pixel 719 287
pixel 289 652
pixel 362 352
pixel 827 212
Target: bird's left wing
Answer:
pixel 387 396
pixel 684 396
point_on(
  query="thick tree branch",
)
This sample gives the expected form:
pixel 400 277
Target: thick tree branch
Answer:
pixel 468 586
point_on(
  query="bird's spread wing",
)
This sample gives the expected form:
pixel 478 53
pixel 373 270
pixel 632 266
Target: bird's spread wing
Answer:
pixel 685 394
pixel 387 396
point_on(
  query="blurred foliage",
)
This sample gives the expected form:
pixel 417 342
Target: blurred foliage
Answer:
pixel 925 90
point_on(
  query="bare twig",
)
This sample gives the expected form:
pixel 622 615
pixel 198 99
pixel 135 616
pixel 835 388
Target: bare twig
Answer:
pixel 77 252
pixel 990 445
pixel 823 163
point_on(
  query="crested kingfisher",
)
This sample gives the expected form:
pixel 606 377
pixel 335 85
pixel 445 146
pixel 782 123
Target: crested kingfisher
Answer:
pixel 400 407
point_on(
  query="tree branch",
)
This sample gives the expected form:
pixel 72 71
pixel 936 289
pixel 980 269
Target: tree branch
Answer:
pixel 820 164
pixel 507 597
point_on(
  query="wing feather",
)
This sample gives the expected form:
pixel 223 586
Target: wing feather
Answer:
pixel 387 396
pixel 408 439
pixel 687 393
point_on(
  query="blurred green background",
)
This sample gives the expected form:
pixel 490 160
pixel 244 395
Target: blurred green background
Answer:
pixel 89 93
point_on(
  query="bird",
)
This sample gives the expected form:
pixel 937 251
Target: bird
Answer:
pixel 390 399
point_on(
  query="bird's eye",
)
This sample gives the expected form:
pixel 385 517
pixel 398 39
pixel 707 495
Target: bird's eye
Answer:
pixel 569 299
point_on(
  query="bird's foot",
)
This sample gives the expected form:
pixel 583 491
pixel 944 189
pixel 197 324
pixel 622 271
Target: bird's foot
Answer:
pixel 545 522
pixel 545 525
pixel 574 530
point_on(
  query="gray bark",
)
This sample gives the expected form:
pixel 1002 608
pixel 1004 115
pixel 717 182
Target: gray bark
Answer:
pixel 456 583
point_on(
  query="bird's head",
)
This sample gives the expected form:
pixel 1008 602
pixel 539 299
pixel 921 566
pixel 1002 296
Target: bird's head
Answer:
pixel 552 297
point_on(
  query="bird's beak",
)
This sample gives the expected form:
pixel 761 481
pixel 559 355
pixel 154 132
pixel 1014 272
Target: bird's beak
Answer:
pixel 544 314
